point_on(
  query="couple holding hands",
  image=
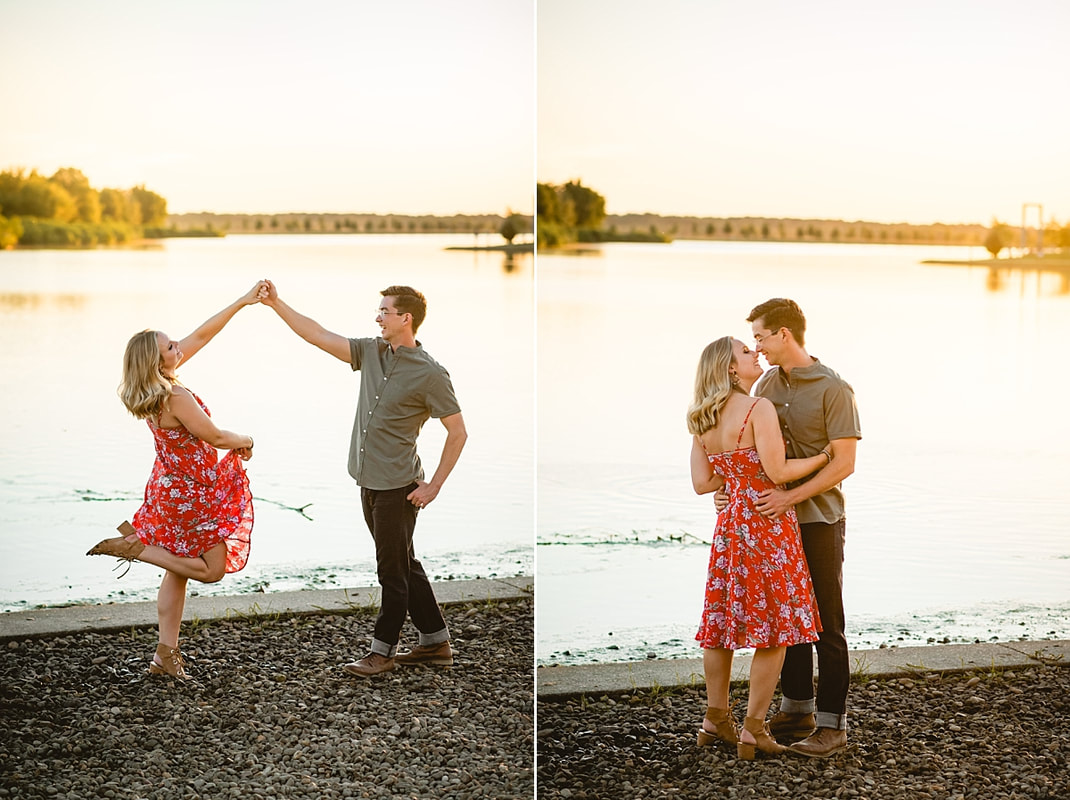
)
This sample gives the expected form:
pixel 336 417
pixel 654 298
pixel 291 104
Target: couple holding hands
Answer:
pixel 197 517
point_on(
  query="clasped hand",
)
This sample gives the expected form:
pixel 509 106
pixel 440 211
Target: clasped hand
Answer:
pixel 770 503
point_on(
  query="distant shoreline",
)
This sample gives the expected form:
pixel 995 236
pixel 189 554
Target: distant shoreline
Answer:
pixel 527 247
pixel 1058 262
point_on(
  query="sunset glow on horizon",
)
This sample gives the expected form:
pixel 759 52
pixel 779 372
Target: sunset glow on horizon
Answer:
pixel 414 107
pixel 920 112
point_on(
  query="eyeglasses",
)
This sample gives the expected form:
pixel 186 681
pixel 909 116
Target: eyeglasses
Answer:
pixel 759 338
pixel 386 312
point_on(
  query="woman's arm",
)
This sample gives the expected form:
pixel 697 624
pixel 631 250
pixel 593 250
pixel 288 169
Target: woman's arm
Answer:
pixel 210 327
pixel 193 418
pixel 770 445
pixel 703 477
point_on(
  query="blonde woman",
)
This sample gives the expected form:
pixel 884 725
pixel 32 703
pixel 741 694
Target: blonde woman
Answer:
pixel 758 589
pixel 197 517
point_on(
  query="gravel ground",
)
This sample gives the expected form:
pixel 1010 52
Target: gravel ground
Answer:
pixel 271 714
pixel 965 735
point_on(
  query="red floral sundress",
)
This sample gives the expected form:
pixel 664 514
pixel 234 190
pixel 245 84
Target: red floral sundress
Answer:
pixel 758 587
pixel 194 500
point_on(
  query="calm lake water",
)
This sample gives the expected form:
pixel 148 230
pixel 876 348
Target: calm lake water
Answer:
pixel 958 509
pixel 73 463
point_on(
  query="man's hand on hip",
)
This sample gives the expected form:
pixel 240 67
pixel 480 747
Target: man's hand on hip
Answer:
pixel 423 494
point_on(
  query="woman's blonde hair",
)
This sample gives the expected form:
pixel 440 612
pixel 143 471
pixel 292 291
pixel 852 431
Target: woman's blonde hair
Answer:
pixel 144 390
pixel 713 385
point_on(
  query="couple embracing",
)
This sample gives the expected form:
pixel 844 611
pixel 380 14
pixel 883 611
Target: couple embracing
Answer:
pixel 775 577
pixel 197 517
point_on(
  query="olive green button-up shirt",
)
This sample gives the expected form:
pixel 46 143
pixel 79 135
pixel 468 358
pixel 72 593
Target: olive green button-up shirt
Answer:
pixel 399 391
pixel 815 406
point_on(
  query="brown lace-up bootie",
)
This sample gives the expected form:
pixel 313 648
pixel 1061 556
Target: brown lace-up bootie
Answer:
pixel 724 728
pixel 119 546
pixel 762 740
pixel 168 661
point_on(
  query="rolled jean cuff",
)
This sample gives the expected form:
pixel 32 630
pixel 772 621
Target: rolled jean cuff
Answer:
pixel 789 706
pixel 384 649
pixel 438 637
pixel 826 719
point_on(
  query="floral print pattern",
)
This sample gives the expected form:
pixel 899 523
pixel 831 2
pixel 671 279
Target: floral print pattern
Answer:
pixel 194 499
pixel 758 588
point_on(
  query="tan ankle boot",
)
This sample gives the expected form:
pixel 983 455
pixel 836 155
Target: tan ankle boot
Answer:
pixel 724 728
pixel 762 740
pixel 119 546
pixel 168 661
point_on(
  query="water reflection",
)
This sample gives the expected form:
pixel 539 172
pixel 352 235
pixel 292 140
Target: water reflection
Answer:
pixel 1047 279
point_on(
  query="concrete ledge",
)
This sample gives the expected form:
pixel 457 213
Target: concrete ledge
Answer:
pixel 122 616
pixel 555 683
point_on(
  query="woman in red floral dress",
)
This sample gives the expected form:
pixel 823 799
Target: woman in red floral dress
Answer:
pixel 758 589
pixel 197 516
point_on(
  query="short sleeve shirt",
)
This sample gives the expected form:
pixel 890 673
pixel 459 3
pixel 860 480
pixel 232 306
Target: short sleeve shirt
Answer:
pixel 815 406
pixel 399 391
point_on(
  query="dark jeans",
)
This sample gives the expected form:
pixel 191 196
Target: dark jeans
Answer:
pixel 823 545
pixel 392 519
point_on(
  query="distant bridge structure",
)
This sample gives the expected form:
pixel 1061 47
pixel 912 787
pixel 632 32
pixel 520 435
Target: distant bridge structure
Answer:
pixel 1040 227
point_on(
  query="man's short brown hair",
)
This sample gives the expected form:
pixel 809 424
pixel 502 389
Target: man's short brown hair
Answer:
pixel 408 301
pixel 780 312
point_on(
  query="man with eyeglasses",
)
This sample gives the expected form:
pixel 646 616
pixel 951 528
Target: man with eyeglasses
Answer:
pixel 817 410
pixel 401 386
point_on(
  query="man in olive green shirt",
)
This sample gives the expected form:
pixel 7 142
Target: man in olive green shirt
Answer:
pixel 401 387
pixel 817 409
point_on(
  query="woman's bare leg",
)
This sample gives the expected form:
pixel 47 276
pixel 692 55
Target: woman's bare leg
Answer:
pixel 170 603
pixel 208 568
pixel 717 667
pixel 764 674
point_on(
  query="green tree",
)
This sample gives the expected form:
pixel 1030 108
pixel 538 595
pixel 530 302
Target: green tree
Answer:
pixel 590 206
pixel 153 207
pixel 10 231
pixel 86 198
pixel 546 206
pixel 999 236
pixel 513 225
pixel 33 195
pixel 116 206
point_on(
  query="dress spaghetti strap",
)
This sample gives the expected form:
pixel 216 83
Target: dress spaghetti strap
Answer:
pixel 740 437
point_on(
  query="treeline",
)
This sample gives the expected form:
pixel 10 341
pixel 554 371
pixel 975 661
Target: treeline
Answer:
pixel 297 222
pixel 774 229
pixel 64 210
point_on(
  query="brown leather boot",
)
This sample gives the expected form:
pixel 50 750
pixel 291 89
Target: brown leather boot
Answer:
pixel 371 664
pixel 439 655
pixel 822 743
pixel 786 725
pixel 762 740
pixel 724 728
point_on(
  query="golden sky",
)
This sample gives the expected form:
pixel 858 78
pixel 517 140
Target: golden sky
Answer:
pixel 908 111
pixel 407 106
